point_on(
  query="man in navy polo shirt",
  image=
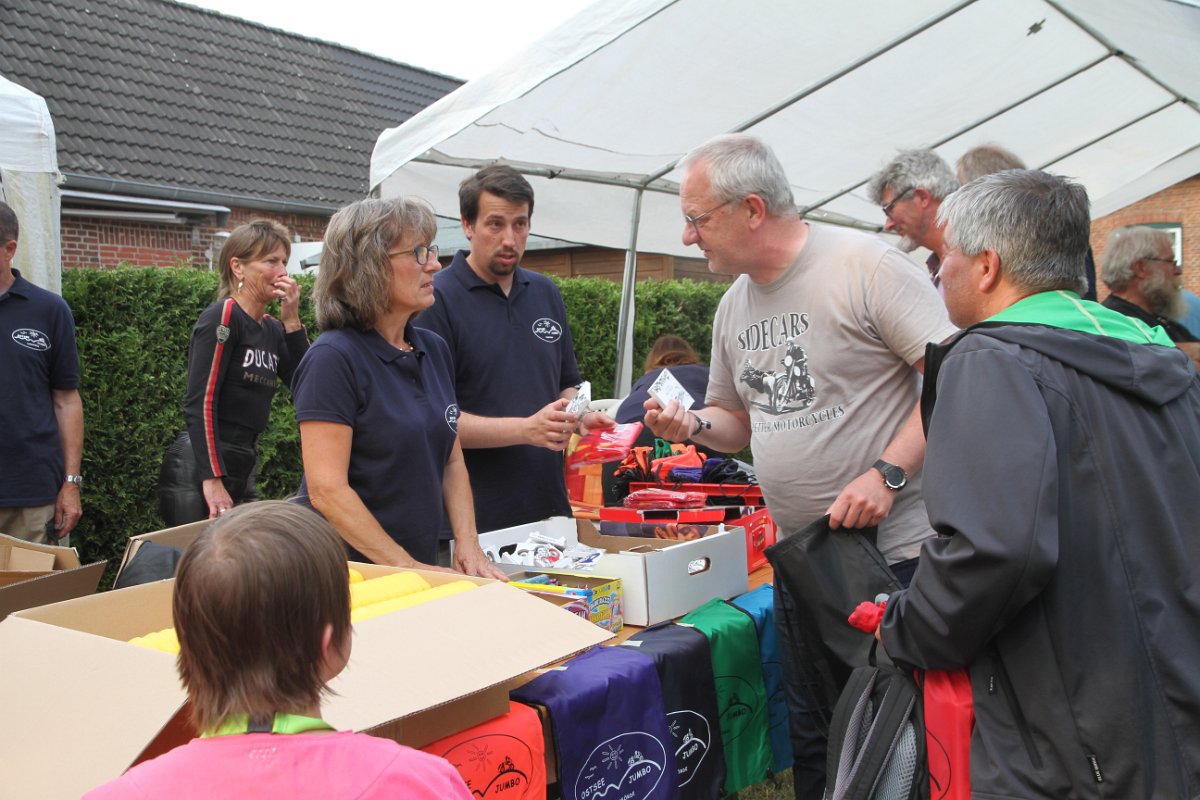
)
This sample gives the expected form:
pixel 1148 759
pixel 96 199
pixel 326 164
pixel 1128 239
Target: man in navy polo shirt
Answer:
pixel 514 365
pixel 41 415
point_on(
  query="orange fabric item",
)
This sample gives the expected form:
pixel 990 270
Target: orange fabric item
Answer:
pixel 502 758
pixel 661 467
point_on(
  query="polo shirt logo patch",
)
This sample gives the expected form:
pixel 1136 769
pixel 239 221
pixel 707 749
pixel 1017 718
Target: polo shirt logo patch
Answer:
pixel 547 330
pixel 31 339
pixel 452 413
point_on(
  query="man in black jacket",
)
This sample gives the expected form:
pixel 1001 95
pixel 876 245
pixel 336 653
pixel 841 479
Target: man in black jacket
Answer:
pixel 1062 474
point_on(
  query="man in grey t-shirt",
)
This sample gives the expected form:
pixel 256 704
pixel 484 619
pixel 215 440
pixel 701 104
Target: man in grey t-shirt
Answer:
pixel 817 350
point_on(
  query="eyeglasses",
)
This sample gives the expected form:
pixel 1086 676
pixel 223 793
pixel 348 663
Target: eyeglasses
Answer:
pixel 1174 264
pixel 421 253
pixel 695 221
pixel 887 210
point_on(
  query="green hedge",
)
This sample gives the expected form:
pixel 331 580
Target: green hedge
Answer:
pixel 133 328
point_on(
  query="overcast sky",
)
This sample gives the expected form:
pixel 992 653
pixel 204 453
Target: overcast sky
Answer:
pixel 461 38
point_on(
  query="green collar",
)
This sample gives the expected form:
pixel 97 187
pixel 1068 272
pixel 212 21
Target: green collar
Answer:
pixel 284 723
pixel 1062 309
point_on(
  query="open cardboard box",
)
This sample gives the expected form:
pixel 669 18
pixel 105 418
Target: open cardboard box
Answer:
pixel 71 684
pixel 37 574
pixel 180 536
pixel 660 579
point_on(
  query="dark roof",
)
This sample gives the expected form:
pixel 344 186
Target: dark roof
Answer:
pixel 150 92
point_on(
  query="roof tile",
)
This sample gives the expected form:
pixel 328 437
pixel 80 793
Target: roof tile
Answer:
pixel 160 92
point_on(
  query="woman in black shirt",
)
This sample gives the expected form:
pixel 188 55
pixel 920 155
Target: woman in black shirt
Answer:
pixel 237 357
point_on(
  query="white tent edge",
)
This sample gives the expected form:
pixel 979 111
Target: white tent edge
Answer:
pixel 29 183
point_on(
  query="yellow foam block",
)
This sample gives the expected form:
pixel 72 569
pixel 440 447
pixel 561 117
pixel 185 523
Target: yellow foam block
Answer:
pixel 355 576
pixel 377 590
pixel 164 640
pixel 415 599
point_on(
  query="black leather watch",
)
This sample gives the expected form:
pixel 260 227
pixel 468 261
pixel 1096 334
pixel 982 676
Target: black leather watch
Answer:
pixel 894 477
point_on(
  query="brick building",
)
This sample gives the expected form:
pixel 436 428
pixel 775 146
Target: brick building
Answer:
pixel 175 123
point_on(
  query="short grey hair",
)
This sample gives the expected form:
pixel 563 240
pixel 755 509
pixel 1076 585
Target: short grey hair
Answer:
pixel 1125 246
pixel 984 160
pixel 1038 223
pixel 913 169
pixel 354 284
pixel 740 164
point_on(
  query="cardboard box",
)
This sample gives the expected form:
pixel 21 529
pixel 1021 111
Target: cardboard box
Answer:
pixel 20 563
pixel 602 594
pixel 37 574
pixel 180 536
pixel 71 686
pixel 660 579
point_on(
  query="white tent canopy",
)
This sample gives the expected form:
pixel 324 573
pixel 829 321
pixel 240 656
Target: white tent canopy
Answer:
pixel 599 111
pixel 28 182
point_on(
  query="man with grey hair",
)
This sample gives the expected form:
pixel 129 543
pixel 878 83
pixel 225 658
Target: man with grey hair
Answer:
pixel 988 158
pixel 909 190
pixel 1064 585
pixel 816 355
pixel 1141 272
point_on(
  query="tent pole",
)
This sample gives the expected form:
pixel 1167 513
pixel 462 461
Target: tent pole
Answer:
pixel 624 374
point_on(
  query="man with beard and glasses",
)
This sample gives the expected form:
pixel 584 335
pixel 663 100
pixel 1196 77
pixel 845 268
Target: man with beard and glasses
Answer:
pixel 910 190
pixel 1145 280
pixel 514 363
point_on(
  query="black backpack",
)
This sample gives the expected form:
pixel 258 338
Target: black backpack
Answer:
pixel 877 738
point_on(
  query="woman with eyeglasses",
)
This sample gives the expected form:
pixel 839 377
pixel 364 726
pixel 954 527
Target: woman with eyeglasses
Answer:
pixel 375 395
pixel 238 356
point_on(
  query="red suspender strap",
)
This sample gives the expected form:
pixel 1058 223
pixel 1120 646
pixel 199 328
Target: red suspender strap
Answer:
pixel 210 390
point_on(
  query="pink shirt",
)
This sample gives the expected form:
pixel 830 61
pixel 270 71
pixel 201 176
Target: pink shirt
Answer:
pixel 321 766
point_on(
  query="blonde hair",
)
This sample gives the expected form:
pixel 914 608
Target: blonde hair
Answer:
pixel 355 281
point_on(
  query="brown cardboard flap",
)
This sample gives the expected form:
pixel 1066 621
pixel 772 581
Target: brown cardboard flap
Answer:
pixel 51 587
pixel 101 712
pixel 22 559
pixel 430 655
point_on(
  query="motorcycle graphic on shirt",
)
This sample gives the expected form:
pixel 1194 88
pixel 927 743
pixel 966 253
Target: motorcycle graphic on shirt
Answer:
pixel 786 390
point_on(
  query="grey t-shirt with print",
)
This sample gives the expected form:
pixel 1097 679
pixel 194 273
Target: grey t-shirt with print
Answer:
pixel 821 359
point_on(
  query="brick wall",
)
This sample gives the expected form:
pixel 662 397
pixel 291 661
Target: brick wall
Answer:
pixel 1178 204
pixel 106 243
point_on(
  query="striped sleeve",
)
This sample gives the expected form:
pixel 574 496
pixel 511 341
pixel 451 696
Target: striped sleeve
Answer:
pixel 206 368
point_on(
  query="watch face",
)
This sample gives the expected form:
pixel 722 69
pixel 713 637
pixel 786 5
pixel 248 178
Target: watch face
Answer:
pixel 894 478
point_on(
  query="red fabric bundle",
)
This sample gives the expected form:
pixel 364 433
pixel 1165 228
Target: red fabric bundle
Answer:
pixel 949 718
pixel 665 498
pixel 605 444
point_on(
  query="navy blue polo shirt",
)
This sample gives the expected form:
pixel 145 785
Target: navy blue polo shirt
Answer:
pixel 405 420
pixel 512 356
pixel 37 356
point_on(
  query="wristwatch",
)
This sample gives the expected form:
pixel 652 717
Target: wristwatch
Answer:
pixel 75 479
pixel 701 424
pixel 894 477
